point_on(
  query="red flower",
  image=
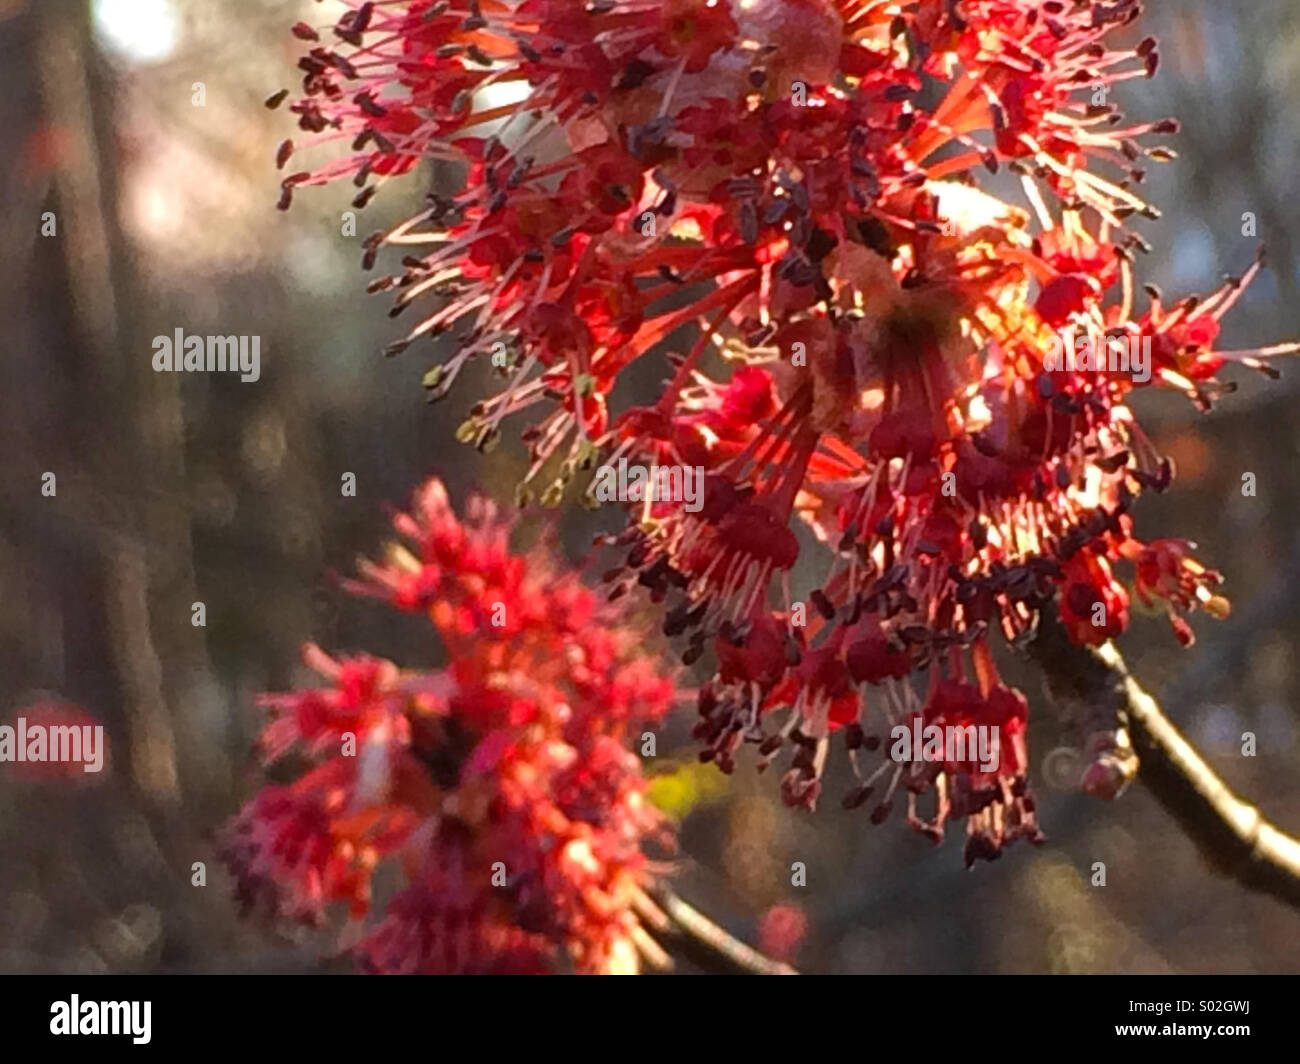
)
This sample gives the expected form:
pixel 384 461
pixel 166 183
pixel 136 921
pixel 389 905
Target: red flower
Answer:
pixel 1094 605
pixel 694 30
pixel 935 382
pixel 500 785
pixel 1166 570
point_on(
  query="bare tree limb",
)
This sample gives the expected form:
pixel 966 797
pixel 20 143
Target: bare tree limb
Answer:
pixel 693 935
pixel 1232 834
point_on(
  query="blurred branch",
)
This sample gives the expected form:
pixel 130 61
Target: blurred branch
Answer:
pixel 73 101
pixel 1232 834
pixel 688 932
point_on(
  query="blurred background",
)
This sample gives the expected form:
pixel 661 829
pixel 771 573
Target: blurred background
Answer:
pixel 181 488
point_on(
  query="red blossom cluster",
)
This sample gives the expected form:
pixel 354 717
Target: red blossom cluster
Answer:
pixel 818 188
pixel 500 788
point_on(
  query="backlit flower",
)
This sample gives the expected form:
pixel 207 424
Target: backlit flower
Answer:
pixel 936 381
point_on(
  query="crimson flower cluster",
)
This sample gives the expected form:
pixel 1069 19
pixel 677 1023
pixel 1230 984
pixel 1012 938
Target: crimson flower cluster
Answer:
pixel 499 790
pixel 818 195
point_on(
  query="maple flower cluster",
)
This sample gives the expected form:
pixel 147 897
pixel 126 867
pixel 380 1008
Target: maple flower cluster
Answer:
pixel 874 222
pixel 500 788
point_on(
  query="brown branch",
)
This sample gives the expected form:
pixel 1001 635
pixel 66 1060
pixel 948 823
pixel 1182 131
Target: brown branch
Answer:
pixel 688 932
pixel 1232 834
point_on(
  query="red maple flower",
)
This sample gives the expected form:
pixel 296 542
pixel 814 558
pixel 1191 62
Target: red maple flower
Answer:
pixel 500 787
pixel 935 381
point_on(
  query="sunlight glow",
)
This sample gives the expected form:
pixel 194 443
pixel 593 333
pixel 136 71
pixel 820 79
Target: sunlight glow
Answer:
pixel 142 31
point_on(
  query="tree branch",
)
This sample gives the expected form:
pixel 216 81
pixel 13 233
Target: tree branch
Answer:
pixel 1232 834
pixel 690 933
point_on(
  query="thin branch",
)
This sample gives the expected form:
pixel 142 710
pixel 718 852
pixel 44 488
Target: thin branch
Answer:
pixel 693 935
pixel 1233 835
